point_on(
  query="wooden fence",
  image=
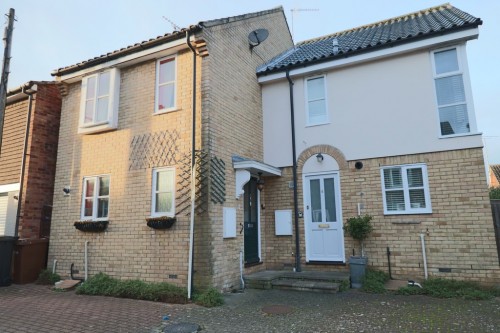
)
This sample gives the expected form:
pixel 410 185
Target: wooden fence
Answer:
pixel 495 210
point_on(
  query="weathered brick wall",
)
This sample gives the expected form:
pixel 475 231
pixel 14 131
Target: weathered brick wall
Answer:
pixel 232 124
pixel 13 142
pixel 128 249
pixel 458 234
pixel 41 159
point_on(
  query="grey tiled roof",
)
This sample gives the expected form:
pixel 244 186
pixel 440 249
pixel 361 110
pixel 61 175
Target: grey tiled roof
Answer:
pixel 402 29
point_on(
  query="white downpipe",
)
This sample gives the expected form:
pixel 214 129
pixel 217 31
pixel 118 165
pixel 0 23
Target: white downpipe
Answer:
pixel 424 255
pixel 241 271
pixel 54 266
pixel 191 231
pixel 86 260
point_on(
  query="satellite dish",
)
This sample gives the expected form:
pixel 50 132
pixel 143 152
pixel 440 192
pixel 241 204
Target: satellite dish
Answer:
pixel 257 36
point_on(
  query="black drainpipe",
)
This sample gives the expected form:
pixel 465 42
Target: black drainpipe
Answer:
pixel 193 147
pixel 294 168
pixel 23 163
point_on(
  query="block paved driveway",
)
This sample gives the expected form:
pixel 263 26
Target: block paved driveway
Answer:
pixel 31 308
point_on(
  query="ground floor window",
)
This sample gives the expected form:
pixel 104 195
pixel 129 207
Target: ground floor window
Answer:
pixel 163 194
pixel 405 189
pixel 95 201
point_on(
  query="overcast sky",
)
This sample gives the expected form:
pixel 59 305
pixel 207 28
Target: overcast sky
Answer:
pixel 55 33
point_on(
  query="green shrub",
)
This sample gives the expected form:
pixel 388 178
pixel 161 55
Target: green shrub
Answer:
pixel 47 277
pixel 447 288
pixel 210 298
pixel 495 192
pixel 104 285
pixel 359 228
pixel 374 281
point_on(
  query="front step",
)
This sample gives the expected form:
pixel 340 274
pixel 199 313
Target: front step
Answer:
pixel 329 282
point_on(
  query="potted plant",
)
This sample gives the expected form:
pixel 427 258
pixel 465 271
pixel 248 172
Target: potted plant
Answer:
pixel 359 228
pixel 91 226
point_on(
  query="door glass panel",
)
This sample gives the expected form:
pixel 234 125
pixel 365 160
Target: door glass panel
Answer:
pixel 315 200
pixel 330 209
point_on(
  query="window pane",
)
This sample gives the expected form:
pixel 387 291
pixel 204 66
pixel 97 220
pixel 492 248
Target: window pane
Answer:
pixel 417 199
pixel 102 109
pixel 392 178
pixel 331 212
pixel 315 200
pixel 317 112
pixel 103 87
pixel 89 207
pixel 395 200
pixel 162 181
pixel 89 187
pixel 103 186
pixel 102 207
pixel 446 61
pixel 167 71
pixel 316 88
pixel 91 81
pixel 415 178
pixel 450 90
pixel 454 119
pixel 166 96
pixel 163 202
pixel 89 111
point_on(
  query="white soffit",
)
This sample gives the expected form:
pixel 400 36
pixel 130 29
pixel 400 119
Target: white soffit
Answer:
pixel 254 167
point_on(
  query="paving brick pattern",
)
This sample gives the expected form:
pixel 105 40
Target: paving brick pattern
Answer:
pixel 31 308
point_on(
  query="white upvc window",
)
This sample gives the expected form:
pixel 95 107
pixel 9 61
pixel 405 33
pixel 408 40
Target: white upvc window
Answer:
pixel 316 106
pixel 165 84
pixel 453 93
pixel 95 198
pixel 405 189
pixel 99 102
pixel 163 194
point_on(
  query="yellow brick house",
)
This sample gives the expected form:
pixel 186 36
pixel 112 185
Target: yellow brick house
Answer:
pixel 135 123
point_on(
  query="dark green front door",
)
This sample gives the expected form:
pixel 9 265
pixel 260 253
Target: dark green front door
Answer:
pixel 251 225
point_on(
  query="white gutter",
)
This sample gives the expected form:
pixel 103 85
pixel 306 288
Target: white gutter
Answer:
pixel 424 255
pixel 448 39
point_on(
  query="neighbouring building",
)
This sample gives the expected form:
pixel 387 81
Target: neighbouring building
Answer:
pixel 27 171
pixel 384 125
pixel 494 179
pixel 125 154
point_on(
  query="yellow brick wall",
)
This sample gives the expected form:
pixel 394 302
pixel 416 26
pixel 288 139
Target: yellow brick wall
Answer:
pixel 458 234
pixel 232 124
pixel 128 249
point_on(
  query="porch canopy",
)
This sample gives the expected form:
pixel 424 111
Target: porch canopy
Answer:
pixel 245 168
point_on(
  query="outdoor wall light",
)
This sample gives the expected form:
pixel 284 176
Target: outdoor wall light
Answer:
pixel 319 157
pixel 66 190
pixel 260 182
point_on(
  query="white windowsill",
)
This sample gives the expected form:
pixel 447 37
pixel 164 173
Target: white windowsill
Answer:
pixel 319 124
pixel 96 127
pixel 459 135
pixel 162 215
pixel 166 111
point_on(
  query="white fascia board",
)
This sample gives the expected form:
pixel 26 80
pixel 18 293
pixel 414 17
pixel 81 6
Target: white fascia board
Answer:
pixel 448 39
pixel 266 169
pixel 9 188
pixel 128 60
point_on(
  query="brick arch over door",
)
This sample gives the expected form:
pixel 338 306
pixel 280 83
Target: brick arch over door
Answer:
pixel 324 149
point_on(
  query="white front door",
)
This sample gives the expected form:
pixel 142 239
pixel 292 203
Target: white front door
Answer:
pixel 323 218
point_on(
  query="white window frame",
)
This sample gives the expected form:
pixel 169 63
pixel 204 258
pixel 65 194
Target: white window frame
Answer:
pixel 157 85
pixel 113 102
pixel 95 198
pixel 154 191
pixel 406 190
pixel 464 71
pixel 306 94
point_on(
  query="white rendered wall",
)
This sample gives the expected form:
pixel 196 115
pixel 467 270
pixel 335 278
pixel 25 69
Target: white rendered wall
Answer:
pixel 381 108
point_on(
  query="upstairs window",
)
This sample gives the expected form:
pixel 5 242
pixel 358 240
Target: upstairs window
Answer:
pixel 165 84
pixel 316 101
pixel 405 189
pixel 163 196
pixel 451 92
pixel 95 201
pixel 99 102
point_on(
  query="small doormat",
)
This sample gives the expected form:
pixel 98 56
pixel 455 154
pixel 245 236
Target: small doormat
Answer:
pixel 277 309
